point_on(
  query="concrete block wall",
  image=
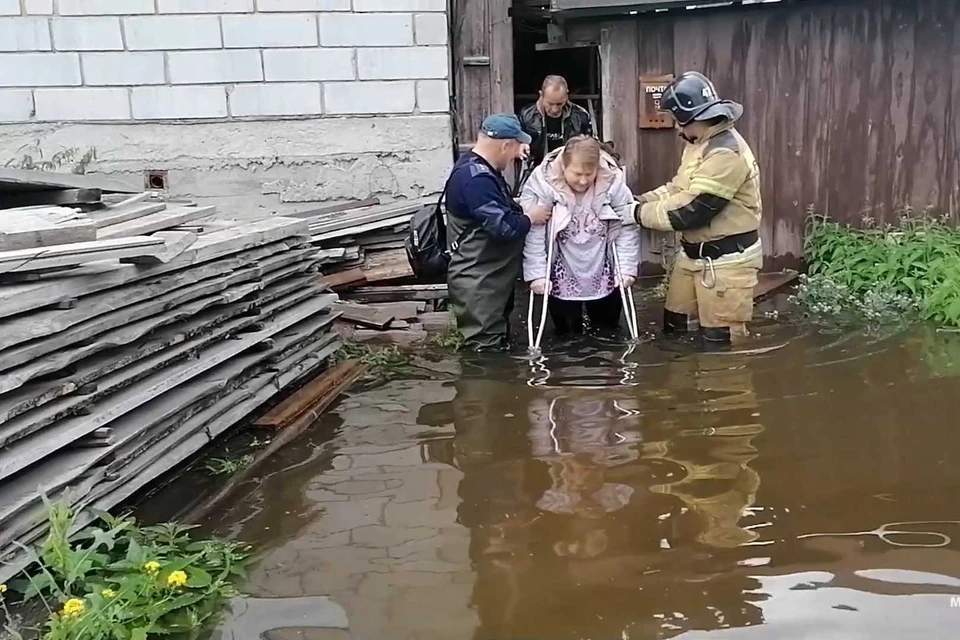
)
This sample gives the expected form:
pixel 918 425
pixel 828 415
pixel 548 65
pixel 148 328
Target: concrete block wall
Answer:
pixel 93 73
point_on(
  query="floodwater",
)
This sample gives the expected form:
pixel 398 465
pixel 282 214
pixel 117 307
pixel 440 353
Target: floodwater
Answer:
pixel 804 489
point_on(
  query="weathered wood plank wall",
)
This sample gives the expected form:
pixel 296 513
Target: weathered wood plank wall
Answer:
pixel 852 107
pixel 482 43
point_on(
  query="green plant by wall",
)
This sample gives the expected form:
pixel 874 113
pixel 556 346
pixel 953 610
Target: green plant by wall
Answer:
pixel 910 270
pixel 121 581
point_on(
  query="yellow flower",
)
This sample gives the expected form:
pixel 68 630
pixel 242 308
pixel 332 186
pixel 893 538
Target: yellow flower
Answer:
pixel 3 589
pixel 108 593
pixel 73 608
pixel 152 567
pixel 177 579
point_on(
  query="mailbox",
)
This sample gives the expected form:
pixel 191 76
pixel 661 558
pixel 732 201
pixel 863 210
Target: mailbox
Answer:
pixel 651 92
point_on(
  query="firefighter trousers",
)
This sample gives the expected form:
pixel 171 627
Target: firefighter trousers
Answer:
pixel 715 296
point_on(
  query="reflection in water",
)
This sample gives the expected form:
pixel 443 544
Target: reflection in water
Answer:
pixel 718 495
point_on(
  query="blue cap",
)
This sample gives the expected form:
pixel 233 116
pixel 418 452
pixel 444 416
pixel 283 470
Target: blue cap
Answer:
pixel 504 126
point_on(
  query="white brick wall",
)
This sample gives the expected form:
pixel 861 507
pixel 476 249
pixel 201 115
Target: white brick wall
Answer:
pixel 178 103
pixel 104 7
pixel 294 30
pixel 402 62
pixel 132 60
pixel 123 69
pixel 370 97
pixel 16 105
pixel 82 104
pixel 212 67
pixel 276 99
pixel 24 34
pixel 38 7
pixel 366 29
pixel 87 34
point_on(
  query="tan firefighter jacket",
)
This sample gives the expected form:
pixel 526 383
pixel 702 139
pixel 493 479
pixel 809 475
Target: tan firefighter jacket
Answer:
pixel 719 171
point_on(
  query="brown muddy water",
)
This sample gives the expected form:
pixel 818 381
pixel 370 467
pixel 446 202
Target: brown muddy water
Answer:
pixel 806 489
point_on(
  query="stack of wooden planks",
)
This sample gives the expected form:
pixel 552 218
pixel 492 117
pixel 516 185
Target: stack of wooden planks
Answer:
pixel 363 243
pixel 123 355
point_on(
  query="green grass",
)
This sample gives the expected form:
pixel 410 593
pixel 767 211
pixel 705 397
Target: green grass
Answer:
pixel 906 271
pixel 450 339
pixel 117 580
pixel 227 466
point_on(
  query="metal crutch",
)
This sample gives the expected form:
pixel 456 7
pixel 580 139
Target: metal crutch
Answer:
pixel 626 296
pixel 535 342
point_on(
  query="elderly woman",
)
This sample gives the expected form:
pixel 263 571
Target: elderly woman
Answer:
pixel 588 193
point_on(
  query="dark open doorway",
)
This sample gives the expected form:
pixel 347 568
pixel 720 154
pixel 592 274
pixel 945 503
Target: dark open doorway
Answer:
pixel 540 48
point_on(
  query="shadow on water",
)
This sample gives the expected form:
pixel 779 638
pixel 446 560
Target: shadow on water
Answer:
pixel 601 492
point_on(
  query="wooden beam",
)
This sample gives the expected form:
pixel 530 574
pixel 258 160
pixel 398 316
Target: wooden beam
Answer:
pixel 122 213
pixel 364 315
pixel 398 293
pixel 34 198
pixel 157 221
pixel 78 253
pixel 16 299
pixel 23 180
pixel 40 227
pixel 334 382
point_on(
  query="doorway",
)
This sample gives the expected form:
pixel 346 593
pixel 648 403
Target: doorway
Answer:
pixel 542 48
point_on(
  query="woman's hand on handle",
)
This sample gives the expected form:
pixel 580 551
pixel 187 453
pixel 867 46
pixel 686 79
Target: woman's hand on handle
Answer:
pixel 540 287
pixel 627 281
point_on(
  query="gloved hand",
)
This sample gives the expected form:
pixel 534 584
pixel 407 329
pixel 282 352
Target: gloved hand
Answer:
pixel 540 287
pixel 627 281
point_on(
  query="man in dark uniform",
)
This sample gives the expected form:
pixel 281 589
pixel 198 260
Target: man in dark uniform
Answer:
pixel 486 229
pixel 553 119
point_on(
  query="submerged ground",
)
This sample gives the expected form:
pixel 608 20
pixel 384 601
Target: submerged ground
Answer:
pixel 655 494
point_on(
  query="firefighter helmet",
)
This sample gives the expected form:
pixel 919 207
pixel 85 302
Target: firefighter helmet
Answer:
pixel 692 97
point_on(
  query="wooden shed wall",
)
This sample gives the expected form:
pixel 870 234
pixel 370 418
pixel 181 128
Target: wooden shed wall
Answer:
pixel 852 107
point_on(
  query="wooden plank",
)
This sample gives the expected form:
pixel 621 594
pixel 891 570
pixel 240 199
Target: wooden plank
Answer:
pixel 364 315
pixel 175 243
pixel 400 310
pixel 155 222
pixel 176 447
pixel 114 371
pixel 20 180
pixel 348 220
pixel 343 278
pixel 436 321
pixel 398 293
pixel 770 283
pixel 24 452
pixel 10 200
pixel 310 396
pixel 335 382
pixel 148 433
pixel 49 322
pixel 387 265
pixel 362 228
pixel 32 228
pixel 123 317
pixel 345 207
pixel 20 298
pixel 124 213
pixel 119 336
pixel 77 253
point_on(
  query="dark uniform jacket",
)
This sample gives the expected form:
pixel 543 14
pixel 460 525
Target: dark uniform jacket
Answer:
pixel 485 232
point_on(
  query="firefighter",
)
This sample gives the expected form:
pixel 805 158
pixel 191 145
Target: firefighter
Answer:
pixel 714 202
